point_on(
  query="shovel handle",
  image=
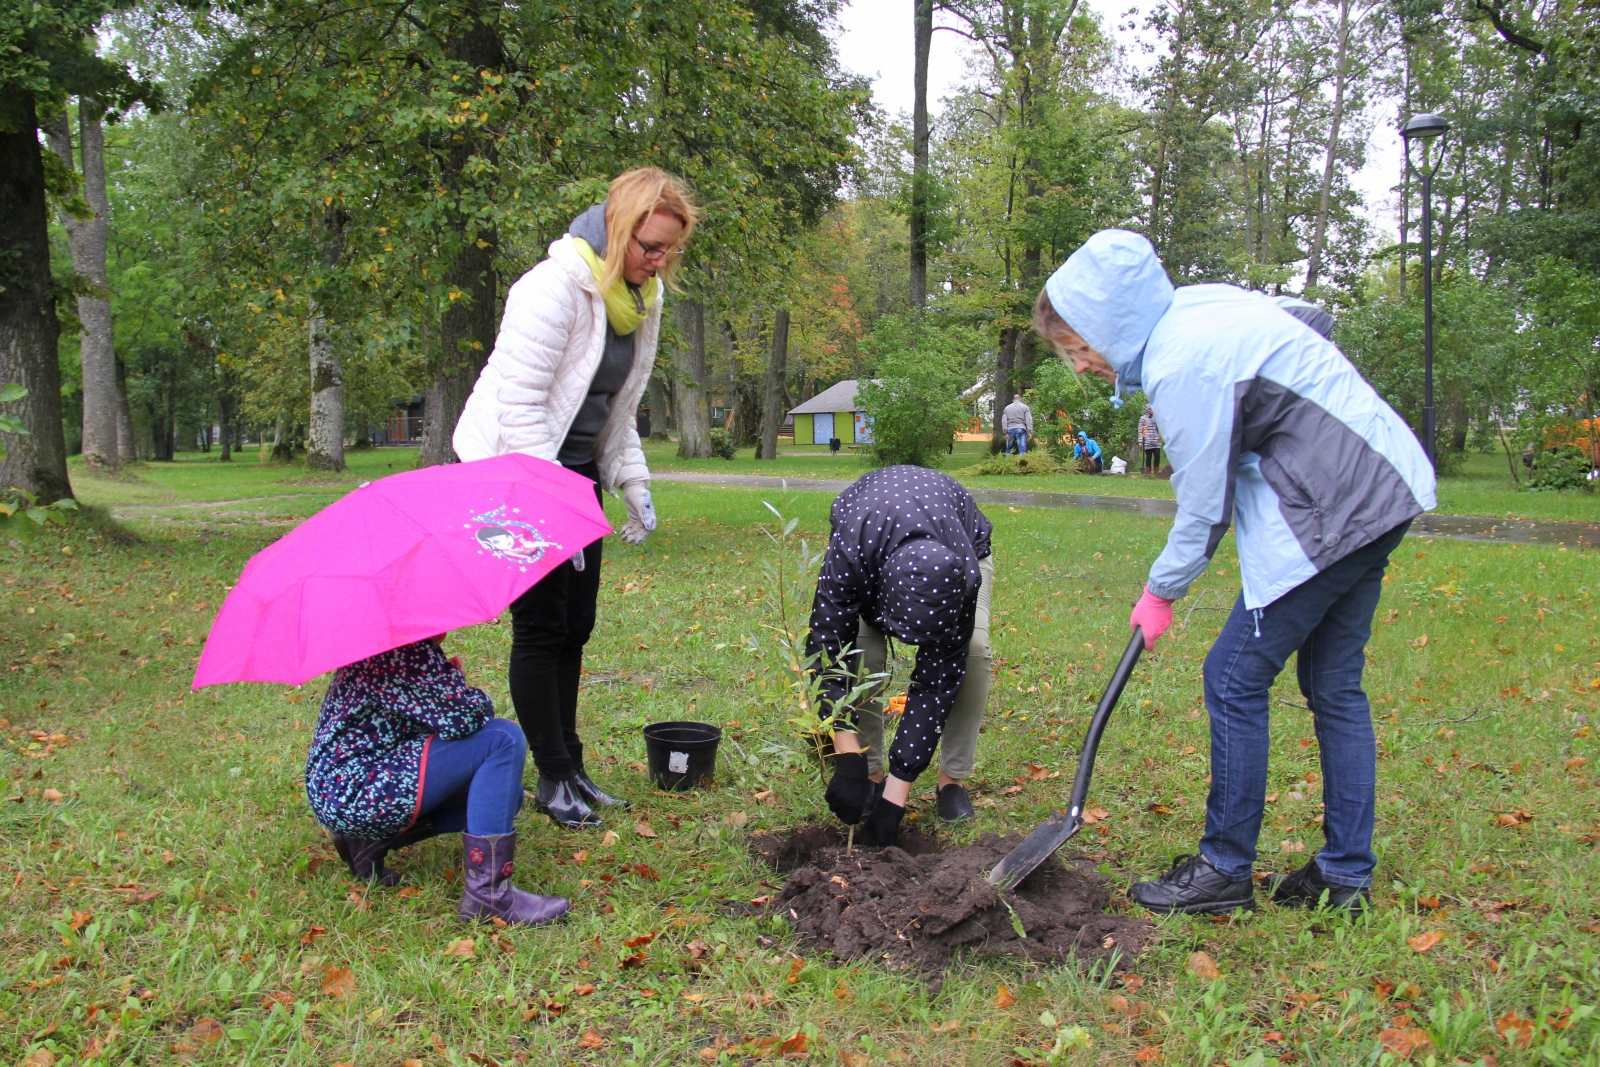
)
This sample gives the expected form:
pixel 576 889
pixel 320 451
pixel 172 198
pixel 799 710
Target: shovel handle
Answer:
pixel 1097 725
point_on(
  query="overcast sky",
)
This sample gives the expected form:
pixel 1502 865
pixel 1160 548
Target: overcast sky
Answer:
pixel 876 41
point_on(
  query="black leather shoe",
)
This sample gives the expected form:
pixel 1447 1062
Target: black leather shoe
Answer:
pixel 559 798
pixel 1194 886
pixel 954 804
pixel 1307 888
pixel 593 794
pixel 881 825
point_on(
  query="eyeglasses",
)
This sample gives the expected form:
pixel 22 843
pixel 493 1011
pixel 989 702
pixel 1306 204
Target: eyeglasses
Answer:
pixel 656 252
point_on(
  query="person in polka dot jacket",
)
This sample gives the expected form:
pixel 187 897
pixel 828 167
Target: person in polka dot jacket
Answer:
pixel 908 558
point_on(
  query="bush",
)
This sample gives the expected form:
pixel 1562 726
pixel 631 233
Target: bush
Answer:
pixel 722 445
pixel 1561 468
pixel 1064 403
pixel 1039 461
pixel 912 402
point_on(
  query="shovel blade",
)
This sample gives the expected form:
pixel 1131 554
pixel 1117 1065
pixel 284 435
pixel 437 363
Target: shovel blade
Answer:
pixel 1034 850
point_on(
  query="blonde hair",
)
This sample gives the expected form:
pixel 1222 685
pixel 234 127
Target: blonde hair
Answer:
pixel 1047 321
pixel 633 197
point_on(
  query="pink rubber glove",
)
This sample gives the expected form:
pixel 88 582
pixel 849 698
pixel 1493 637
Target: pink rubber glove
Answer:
pixel 1152 614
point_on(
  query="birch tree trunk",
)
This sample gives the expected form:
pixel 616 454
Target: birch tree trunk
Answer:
pixel 772 388
pixel 325 433
pixel 86 239
pixel 29 330
pixel 1341 67
pixel 694 430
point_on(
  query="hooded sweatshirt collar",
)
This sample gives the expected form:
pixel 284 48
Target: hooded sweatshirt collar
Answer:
pixel 1112 291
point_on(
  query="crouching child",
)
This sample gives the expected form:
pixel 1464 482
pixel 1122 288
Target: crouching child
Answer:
pixel 404 750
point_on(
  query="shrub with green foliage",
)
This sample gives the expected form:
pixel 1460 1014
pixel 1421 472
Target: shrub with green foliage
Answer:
pixel 1039 461
pixel 722 445
pixel 913 399
pixel 1084 403
pixel 1561 468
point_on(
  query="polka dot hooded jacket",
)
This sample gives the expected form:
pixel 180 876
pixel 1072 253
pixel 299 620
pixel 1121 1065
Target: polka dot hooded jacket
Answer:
pixel 903 555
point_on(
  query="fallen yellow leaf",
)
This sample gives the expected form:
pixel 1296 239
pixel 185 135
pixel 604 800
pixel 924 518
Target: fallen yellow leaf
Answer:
pixel 1203 967
pixel 1424 942
pixel 464 947
pixel 643 829
pixel 1004 998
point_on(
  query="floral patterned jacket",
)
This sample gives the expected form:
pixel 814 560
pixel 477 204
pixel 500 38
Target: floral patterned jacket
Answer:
pixel 365 771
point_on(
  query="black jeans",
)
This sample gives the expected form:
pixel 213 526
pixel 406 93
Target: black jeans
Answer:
pixel 1152 460
pixel 550 624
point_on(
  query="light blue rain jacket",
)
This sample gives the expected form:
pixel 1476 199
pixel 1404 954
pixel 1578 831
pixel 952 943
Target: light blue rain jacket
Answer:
pixel 1267 425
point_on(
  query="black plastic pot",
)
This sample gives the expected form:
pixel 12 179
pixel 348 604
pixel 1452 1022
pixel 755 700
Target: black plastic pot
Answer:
pixel 681 754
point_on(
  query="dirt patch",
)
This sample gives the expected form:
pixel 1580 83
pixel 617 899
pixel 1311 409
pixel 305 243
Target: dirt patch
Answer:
pixel 915 908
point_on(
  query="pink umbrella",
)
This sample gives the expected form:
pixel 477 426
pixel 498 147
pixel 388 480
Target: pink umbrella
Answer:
pixel 398 560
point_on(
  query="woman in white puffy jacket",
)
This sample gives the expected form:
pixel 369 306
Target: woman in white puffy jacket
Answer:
pixel 576 347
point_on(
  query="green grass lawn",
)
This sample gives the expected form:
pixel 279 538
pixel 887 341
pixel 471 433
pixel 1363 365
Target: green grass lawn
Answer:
pixel 167 897
pixel 1482 486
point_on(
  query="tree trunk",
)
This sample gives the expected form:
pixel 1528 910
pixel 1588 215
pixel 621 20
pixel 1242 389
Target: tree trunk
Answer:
pixel 225 405
pixel 35 461
pixel 467 326
pixel 1004 368
pixel 772 387
pixel 127 446
pixel 325 450
pixel 660 417
pixel 922 36
pixel 689 393
pixel 87 240
pixel 1340 67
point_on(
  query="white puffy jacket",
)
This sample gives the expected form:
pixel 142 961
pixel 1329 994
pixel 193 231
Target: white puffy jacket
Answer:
pixel 551 338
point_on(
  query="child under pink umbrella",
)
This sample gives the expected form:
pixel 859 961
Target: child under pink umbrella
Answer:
pixel 405 749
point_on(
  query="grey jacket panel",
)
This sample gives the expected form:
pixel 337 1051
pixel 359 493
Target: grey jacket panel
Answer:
pixel 1334 490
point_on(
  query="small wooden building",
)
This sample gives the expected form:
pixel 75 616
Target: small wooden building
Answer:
pixel 832 413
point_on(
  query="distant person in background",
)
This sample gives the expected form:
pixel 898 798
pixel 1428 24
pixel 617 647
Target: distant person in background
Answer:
pixel 1017 421
pixel 1088 453
pixel 1150 441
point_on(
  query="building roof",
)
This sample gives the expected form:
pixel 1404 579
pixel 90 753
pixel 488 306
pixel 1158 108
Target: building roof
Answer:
pixel 841 397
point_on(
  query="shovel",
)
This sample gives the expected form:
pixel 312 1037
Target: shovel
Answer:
pixel 1059 828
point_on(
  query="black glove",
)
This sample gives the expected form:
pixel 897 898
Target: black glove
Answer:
pixel 850 789
pixel 882 824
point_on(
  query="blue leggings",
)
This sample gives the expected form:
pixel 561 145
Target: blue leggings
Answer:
pixel 475 784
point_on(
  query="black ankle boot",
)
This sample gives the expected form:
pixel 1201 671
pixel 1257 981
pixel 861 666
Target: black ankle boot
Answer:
pixel 955 804
pixel 593 794
pixel 559 798
pixel 1192 885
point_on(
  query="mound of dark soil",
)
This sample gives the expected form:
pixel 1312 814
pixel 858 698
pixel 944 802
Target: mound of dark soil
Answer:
pixel 917 907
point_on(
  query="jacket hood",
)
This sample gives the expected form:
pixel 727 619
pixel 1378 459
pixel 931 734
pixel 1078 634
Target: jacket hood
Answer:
pixel 591 227
pixel 1112 291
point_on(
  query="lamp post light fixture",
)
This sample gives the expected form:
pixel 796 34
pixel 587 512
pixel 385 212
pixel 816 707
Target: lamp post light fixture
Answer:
pixel 1426 128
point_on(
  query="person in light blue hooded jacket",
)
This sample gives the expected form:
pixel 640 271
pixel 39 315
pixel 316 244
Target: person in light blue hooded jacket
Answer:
pixel 1271 430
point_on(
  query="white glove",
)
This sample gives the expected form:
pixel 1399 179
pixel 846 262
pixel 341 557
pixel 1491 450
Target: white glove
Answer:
pixel 641 513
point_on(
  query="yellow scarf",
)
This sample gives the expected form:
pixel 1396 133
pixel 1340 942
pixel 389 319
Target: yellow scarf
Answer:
pixel 626 306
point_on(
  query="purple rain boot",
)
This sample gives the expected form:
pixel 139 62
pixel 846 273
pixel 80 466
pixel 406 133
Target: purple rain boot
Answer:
pixel 365 857
pixel 488 892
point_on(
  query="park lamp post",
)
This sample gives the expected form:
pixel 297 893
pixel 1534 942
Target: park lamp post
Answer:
pixel 1426 128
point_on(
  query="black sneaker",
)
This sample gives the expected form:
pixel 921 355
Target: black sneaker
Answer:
pixel 1194 886
pixel 954 804
pixel 1307 888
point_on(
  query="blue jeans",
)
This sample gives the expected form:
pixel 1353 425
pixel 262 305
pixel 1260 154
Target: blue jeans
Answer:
pixel 475 784
pixel 1017 441
pixel 1327 619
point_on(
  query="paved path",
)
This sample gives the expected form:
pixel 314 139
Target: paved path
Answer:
pixel 1456 527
